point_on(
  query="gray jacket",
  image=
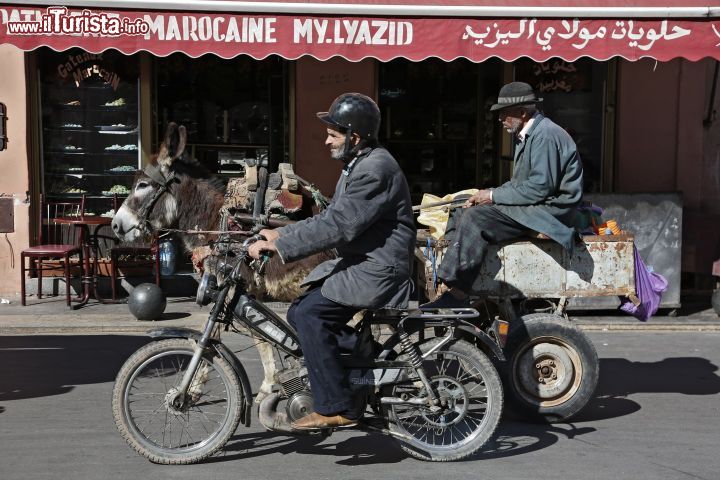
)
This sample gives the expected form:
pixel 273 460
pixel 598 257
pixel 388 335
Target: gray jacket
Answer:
pixel 547 183
pixel 370 223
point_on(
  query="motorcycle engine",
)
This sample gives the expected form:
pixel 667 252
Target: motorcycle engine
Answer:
pixel 295 385
pixel 299 405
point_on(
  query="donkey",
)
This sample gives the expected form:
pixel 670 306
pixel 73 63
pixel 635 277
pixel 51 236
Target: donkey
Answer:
pixel 176 191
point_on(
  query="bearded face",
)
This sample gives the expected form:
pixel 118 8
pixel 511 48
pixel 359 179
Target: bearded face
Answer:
pixel 512 119
pixel 336 142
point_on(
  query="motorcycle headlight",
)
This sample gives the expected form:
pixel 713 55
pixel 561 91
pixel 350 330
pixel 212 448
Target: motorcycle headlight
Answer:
pixel 207 291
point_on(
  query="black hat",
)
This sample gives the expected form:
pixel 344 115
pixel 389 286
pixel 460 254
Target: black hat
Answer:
pixel 514 94
pixel 354 113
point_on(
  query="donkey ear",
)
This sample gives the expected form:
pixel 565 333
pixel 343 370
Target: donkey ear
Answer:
pixel 166 155
pixel 182 140
pixel 171 134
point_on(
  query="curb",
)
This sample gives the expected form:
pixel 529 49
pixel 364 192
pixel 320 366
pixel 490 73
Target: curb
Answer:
pixel 688 327
pixel 143 328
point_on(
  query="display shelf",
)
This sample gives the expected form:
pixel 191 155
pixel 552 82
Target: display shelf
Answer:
pixel 83 174
pixel 91 125
pixel 68 129
pixel 95 108
pixel 94 154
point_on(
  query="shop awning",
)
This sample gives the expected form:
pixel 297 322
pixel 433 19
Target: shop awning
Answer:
pixel 382 29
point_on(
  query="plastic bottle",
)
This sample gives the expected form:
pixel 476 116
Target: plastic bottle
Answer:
pixel 167 257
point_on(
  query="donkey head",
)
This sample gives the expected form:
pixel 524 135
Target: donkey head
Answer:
pixel 173 191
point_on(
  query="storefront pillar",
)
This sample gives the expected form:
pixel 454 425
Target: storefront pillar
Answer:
pixel 14 161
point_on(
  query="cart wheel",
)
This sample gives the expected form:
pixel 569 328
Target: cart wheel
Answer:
pixel 553 367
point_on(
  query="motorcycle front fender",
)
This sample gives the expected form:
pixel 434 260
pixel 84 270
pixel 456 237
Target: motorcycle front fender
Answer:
pixel 223 351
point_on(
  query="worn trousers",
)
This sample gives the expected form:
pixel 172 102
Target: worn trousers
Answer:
pixel 470 231
pixel 324 334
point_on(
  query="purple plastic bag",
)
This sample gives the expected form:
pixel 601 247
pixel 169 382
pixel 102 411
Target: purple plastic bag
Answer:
pixel 649 287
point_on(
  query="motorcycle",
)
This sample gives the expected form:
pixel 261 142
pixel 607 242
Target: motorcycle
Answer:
pixel 180 398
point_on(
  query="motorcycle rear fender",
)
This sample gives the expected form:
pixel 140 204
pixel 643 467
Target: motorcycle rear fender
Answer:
pixel 487 344
pixel 224 352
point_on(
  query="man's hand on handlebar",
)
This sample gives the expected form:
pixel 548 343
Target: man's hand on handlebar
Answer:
pixel 270 235
pixel 255 250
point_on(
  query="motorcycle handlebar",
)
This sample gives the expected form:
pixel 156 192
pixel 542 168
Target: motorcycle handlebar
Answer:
pixel 252 240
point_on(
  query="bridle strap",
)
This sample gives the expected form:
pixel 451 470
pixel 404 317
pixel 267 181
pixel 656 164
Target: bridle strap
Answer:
pixel 164 183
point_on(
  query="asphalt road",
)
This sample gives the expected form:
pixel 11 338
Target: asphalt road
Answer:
pixel 656 415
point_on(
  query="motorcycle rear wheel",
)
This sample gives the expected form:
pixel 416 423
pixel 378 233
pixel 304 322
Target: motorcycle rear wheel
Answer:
pixel 145 403
pixel 471 397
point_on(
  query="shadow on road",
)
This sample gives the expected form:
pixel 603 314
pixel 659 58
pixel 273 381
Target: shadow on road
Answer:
pixel 37 366
pixel 512 438
pixel 620 378
pixel 357 450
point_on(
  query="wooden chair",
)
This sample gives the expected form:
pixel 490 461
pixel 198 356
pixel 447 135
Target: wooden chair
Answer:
pixel 118 253
pixel 59 242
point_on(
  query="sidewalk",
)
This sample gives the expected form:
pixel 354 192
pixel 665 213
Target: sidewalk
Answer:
pixel 51 316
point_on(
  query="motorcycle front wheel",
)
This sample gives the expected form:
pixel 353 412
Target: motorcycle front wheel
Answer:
pixel 160 425
pixel 470 403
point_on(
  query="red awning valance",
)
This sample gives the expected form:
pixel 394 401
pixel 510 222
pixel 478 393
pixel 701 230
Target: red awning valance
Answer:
pixel 355 38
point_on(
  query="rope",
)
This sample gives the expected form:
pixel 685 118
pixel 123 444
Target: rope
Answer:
pixel 430 255
pixel 167 231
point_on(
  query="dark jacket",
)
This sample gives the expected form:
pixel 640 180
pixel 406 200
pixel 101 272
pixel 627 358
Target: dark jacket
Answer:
pixel 370 224
pixel 547 183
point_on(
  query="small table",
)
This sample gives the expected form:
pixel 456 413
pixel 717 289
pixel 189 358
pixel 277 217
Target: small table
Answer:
pixel 89 244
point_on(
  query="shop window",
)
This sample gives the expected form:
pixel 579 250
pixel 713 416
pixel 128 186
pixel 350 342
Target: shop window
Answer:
pixel 89 126
pixel 234 110
pixel 573 94
pixel 437 125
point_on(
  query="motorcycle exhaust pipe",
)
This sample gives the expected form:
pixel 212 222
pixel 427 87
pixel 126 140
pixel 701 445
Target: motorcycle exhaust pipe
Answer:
pixel 270 418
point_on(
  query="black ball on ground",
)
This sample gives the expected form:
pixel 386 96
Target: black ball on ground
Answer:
pixel 147 301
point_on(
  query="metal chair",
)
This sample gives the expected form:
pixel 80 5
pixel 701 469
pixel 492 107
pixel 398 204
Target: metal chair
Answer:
pixel 59 242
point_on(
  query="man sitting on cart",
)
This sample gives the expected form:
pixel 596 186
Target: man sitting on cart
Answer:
pixel 542 195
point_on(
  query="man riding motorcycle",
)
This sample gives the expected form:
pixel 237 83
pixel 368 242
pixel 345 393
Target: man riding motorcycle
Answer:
pixel 370 223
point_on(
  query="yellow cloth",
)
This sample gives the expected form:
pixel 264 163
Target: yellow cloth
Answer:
pixel 436 218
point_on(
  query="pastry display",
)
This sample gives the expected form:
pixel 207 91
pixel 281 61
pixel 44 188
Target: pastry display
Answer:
pixel 117 190
pixel 115 103
pixel 123 169
pixel 80 157
pixel 128 147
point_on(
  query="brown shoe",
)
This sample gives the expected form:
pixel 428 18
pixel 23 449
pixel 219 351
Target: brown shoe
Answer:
pixel 315 421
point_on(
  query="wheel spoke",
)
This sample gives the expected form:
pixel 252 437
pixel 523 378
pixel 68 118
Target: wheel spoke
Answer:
pixel 458 381
pixel 152 409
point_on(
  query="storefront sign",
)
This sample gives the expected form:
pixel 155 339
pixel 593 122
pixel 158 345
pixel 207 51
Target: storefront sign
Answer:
pixel 356 38
pixel 81 67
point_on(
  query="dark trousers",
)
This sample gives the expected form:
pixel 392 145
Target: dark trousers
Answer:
pixel 470 231
pixel 324 334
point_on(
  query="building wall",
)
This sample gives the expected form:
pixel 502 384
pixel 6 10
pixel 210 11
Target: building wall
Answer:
pixel 317 84
pixel 663 145
pixel 14 164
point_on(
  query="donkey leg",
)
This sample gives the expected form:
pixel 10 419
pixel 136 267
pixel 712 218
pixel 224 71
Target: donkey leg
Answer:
pixel 268 362
pixel 195 390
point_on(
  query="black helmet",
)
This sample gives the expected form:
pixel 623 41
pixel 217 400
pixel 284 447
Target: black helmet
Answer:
pixel 354 113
